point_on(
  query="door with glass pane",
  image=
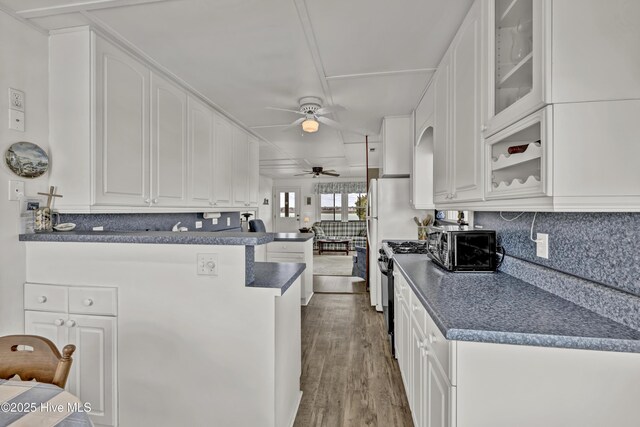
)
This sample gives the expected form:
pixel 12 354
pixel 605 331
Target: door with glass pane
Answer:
pixel 287 209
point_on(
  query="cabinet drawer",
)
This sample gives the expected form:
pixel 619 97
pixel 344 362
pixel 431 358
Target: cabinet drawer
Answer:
pixel 285 247
pixel 45 297
pixel 441 348
pixel 93 300
pixel 418 312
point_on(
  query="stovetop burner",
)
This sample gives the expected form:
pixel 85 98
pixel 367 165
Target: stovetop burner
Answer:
pixel 408 247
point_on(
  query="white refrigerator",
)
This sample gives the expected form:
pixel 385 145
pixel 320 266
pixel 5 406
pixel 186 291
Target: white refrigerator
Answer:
pixel 389 217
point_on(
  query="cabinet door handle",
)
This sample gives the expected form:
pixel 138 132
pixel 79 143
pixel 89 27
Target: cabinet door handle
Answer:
pixel 88 302
pixel 58 322
pixel 42 299
pixel 70 323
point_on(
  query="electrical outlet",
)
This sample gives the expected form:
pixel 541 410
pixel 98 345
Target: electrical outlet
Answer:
pixel 207 264
pixel 16 99
pixel 542 245
pixel 214 221
pixel 198 224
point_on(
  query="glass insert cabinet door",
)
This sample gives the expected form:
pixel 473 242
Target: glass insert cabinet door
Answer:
pixel 513 51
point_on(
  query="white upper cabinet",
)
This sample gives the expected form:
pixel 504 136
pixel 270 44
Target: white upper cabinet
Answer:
pixel 131 140
pixel 223 162
pixel 168 143
pixel 201 146
pixel 396 134
pixel 240 167
pixel 542 52
pixel 122 128
pixel 455 131
pixel 253 177
pixel 466 138
pixel 422 152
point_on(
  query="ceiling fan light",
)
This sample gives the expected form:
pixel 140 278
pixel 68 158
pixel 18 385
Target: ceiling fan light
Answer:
pixel 310 126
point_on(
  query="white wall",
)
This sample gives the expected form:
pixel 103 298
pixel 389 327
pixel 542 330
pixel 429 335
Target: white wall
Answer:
pixel 23 66
pixel 306 190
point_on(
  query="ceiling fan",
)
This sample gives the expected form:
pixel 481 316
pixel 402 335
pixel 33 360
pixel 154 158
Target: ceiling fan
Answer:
pixel 313 111
pixel 316 171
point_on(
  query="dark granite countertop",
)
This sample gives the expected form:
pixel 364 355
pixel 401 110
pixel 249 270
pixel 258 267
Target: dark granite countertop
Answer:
pixel 292 237
pixel 498 308
pixel 276 275
pixel 154 237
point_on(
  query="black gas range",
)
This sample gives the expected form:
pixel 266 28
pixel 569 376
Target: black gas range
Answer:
pixel 385 263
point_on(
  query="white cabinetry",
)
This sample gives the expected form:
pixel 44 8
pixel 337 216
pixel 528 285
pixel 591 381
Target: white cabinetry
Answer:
pixel 201 159
pixel 134 140
pixel 299 252
pixel 122 128
pixel 458 166
pixel 543 52
pixel 85 317
pixel 396 134
pixel 168 143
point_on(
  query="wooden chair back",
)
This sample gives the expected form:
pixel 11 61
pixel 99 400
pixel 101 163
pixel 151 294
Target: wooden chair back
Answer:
pixel 33 357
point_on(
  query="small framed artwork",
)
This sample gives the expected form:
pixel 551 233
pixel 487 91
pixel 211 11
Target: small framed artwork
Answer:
pixel 308 201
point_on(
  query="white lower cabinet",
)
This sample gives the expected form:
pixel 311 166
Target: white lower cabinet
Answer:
pixel 427 379
pixel 93 376
pixel 469 384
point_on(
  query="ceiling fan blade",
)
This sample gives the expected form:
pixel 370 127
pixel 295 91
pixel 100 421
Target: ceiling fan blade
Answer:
pixel 285 109
pixel 330 123
pixel 330 173
pixel 332 109
pixel 302 174
pixel 294 124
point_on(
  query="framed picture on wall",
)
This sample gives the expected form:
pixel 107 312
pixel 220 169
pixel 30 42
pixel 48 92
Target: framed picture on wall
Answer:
pixel 309 201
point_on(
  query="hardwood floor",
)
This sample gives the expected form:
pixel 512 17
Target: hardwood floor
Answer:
pixel 349 377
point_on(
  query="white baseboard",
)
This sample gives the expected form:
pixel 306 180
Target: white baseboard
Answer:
pixel 293 417
pixel 308 299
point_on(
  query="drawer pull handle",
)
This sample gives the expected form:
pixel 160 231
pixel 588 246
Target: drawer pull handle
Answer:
pixel 432 338
pixel 88 302
pixel 59 322
pixel 70 323
pixel 42 299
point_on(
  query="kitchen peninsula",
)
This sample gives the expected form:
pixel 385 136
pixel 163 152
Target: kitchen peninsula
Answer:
pixel 191 330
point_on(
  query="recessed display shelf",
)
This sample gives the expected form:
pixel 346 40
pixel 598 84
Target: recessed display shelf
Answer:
pixel 533 151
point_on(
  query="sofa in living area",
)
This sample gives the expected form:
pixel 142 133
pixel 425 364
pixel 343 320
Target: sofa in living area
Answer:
pixel 354 231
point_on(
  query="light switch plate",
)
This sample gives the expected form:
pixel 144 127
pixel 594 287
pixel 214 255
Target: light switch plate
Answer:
pixel 16 120
pixel 228 221
pixel 16 99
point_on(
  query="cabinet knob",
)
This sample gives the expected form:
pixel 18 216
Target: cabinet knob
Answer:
pixel 483 128
pixel 70 323
pixel 147 201
pixel 155 201
pixel 42 299
pixel 88 302
pixel 415 307
pixel 211 204
pixel 58 322
pixel 400 298
pixel 432 338
pixel 420 344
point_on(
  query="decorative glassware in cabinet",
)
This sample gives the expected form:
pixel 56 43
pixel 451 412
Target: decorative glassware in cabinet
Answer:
pixel 514 51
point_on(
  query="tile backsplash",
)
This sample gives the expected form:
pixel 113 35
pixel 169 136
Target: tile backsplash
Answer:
pixel 151 221
pixel 601 247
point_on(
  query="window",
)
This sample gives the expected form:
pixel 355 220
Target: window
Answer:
pixel 288 204
pixel 343 206
pixel 357 206
pixel 331 207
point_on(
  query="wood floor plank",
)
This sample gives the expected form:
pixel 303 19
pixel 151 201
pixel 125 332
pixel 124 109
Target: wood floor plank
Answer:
pixel 349 377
